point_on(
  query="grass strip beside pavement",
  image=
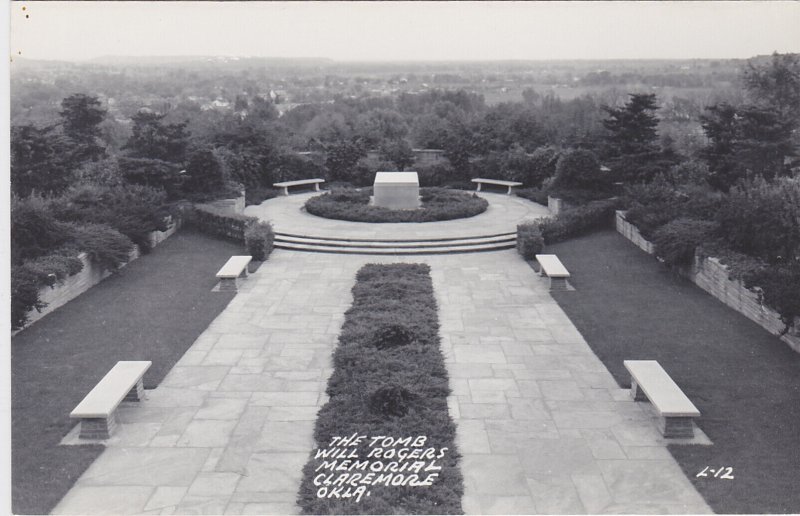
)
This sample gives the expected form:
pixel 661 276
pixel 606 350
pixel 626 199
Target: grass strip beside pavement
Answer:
pixel 743 380
pixel 152 309
pixel 389 380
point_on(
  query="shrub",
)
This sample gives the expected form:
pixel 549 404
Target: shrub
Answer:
pixel 763 219
pixel 54 267
pixel 24 295
pixel 259 239
pixel 579 170
pixel 537 195
pixel 218 223
pixel 437 204
pixel 529 240
pixel 396 391
pixel 35 231
pixel 259 194
pixel 676 241
pixel 578 220
pixel 779 285
pixel 435 175
pixel 103 245
pixel 390 400
pixel 133 210
pixel 392 336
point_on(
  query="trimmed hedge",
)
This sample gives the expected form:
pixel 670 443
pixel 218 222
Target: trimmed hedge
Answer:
pixel 437 204
pixel 396 389
pixel 529 240
pixel 259 240
pixel 577 221
pixel 218 223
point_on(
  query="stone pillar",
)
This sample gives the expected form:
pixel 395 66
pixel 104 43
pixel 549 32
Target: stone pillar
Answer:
pixel 636 392
pixel 677 427
pixel 137 393
pixel 227 285
pixel 558 284
pixel 98 428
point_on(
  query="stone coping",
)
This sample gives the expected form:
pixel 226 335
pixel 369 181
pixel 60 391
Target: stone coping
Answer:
pixel 502 216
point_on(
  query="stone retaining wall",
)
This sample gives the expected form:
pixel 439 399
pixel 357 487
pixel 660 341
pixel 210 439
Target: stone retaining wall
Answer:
pixel 555 205
pixel 631 232
pixel 89 276
pixel 712 276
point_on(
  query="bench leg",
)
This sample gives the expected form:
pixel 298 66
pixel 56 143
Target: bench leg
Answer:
pixel 677 427
pixel 479 187
pixel 636 392
pixel 509 191
pixel 558 283
pixel 243 274
pixel 137 393
pixel 316 187
pixel 98 428
pixel 228 284
pixel 286 191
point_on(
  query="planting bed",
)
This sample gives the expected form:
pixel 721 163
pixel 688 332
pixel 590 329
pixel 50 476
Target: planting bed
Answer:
pixel 390 380
pixel 437 204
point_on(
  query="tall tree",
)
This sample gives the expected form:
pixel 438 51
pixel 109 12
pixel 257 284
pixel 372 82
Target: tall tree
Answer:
pixel 632 128
pixel 37 161
pixel 631 140
pixel 81 116
pixel 152 139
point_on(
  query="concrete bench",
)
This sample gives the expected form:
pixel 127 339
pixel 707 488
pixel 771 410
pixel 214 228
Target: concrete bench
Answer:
pixel 97 411
pixel 509 184
pixel 286 184
pixel 650 382
pixel 235 267
pixel 551 266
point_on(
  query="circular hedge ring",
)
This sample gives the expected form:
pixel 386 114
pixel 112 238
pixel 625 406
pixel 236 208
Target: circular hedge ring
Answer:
pixel 437 204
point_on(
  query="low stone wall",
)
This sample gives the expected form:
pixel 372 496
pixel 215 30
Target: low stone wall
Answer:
pixel 712 276
pixel 631 232
pixel 233 205
pixel 89 276
pixel 555 205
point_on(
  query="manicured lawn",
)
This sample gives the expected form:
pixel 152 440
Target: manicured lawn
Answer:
pixel 745 382
pixel 153 309
pixel 389 379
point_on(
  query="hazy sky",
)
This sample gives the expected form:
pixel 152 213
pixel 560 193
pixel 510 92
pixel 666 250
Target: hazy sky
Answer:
pixel 406 30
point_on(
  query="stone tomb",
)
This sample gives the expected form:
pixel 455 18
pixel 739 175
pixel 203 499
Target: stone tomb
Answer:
pixel 396 190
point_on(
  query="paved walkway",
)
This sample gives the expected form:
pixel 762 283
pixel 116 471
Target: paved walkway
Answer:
pixel 542 426
pixel 502 216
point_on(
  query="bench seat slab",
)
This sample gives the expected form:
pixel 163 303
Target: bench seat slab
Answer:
pixel 235 267
pixel 551 266
pixel 286 184
pixel 104 398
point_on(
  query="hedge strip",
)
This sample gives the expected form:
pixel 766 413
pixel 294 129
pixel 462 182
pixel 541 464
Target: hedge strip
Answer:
pixel 389 379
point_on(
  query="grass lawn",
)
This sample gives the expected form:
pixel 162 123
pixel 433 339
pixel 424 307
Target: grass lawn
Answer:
pixel 745 381
pixel 153 309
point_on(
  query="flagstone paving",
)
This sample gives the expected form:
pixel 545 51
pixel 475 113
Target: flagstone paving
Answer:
pixel 542 426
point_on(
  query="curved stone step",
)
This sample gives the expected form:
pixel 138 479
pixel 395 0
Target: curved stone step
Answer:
pixel 455 242
pixel 279 234
pixel 361 249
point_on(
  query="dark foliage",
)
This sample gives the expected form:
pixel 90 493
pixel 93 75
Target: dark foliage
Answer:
pixel 437 204
pixel 394 391
pixel 676 241
pixel 391 400
pixel 529 240
pixel 133 210
pixel 392 335
pixel 259 239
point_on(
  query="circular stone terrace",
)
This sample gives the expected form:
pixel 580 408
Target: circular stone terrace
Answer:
pixel 501 218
